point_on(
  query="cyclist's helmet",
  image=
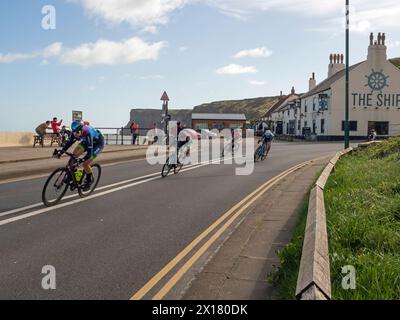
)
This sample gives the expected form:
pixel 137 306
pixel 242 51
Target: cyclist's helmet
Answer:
pixel 77 125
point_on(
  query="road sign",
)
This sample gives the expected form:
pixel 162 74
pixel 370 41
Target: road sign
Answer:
pixel 165 97
pixel 76 115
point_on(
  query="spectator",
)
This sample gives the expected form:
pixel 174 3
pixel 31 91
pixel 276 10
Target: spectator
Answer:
pixel 134 131
pixel 55 124
pixel 65 133
pixel 41 129
pixel 372 135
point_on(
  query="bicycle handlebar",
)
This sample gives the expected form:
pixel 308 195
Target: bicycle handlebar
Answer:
pixel 66 152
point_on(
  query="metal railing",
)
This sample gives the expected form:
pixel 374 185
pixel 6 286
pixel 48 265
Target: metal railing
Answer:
pixel 123 136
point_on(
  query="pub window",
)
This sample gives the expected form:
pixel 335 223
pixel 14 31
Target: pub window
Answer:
pixel 322 125
pixel 352 125
pixel 201 125
pixel 381 127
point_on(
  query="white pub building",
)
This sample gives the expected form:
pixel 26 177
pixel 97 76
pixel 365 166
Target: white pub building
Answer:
pixel 374 100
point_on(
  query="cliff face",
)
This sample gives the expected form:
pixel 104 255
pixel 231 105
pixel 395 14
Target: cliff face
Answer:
pixel 254 109
pixel 148 118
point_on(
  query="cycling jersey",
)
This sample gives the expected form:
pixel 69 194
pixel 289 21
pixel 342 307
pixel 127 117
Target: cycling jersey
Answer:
pixel 268 136
pixel 91 141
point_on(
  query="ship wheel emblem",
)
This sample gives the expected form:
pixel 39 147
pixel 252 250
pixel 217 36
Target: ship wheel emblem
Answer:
pixel 377 81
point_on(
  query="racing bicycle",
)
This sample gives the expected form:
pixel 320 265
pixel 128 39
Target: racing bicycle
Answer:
pixel 261 152
pixel 172 164
pixel 71 176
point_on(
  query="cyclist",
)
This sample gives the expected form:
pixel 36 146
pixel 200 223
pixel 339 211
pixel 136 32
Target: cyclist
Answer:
pixel 91 142
pixel 267 138
pixel 184 138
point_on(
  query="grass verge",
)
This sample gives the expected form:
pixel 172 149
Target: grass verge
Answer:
pixel 362 200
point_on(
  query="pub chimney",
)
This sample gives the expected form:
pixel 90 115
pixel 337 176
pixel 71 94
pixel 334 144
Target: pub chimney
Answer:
pixel 312 82
pixel 336 63
pixel 377 55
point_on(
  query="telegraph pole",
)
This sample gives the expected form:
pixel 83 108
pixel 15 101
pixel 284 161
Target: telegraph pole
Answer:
pixel 346 121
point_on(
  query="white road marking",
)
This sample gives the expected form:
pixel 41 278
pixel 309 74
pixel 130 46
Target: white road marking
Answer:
pixel 7 213
pixel 96 195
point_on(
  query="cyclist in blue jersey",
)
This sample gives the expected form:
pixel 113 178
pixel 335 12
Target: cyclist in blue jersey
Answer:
pixel 267 138
pixel 91 142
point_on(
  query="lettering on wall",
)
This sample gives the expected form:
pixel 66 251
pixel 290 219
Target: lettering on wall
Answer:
pixel 377 81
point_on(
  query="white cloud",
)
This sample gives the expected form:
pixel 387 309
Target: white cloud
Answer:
pixel 112 53
pixel 150 29
pixel 182 49
pixel 12 57
pixel 135 12
pixel 101 52
pixel 234 69
pixel 52 50
pixel 253 53
pixel 142 13
pixel 257 83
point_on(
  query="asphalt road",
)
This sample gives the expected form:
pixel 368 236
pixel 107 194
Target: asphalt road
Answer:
pixel 110 246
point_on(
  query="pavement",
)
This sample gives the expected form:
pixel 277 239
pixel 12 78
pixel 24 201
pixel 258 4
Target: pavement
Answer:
pixel 143 237
pixel 20 154
pixel 240 268
pixel 20 162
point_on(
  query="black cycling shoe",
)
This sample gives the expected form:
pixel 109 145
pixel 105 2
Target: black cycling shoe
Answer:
pixel 88 183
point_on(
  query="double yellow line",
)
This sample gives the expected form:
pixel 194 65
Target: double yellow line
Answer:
pixel 239 208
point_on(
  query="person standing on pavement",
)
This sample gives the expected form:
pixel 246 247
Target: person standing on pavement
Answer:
pixel 41 129
pixel 134 131
pixel 55 124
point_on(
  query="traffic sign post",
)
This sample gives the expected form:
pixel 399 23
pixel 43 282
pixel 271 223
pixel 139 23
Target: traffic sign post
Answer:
pixel 165 99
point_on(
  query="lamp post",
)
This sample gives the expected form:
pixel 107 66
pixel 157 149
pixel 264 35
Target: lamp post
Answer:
pixel 346 121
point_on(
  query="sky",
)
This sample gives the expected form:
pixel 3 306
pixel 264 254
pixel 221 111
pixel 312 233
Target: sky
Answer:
pixel 105 57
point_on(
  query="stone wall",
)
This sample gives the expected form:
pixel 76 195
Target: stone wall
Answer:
pixel 10 139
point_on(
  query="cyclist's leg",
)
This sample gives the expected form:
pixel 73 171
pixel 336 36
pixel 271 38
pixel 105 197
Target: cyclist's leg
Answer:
pixel 79 149
pixel 179 145
pixel 269 145
pixel 87 165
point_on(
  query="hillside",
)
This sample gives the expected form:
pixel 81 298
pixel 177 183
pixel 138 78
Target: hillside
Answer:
pixel 396 62
pixel 254 108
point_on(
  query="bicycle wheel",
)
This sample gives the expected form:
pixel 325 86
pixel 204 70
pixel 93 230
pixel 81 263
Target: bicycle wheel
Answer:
pixel 166 169
pixel 258 154
pixel 264 154
pixel 55 187
pixel 96 170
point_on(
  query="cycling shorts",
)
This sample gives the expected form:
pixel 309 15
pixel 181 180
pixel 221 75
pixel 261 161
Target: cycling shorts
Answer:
pixel 98 146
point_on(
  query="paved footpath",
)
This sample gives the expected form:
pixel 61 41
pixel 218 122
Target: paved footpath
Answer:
pixel 240 267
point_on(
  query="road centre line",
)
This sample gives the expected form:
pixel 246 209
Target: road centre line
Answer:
pixel 167 268
pixel 179 274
